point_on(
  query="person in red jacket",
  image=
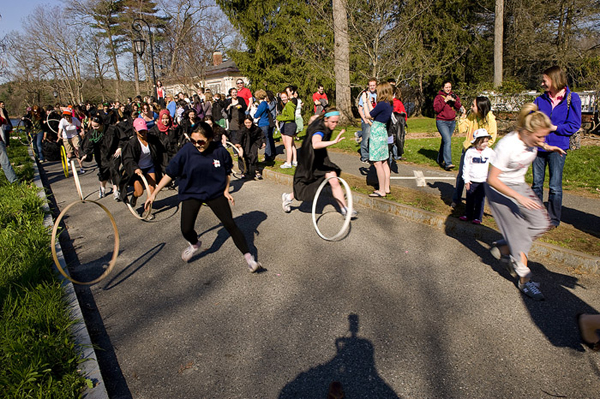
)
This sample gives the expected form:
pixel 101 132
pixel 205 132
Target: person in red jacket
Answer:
pixel 444 105
pixel 320 100
pixel 244 92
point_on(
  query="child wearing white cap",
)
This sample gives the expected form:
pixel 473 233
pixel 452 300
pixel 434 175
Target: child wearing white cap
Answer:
pixel 475 171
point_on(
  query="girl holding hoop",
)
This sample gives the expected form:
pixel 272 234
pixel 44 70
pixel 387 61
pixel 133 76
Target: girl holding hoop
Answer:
pixel 142 155
pixel 67 132
pixel 519 213
pixel 202 167
pixel 314 164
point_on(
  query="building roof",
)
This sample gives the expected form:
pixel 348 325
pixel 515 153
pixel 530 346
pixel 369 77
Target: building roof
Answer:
pixel 223 68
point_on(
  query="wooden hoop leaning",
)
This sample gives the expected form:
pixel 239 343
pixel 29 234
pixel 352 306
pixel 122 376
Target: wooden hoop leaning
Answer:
pixel 113 260
pixel 240 172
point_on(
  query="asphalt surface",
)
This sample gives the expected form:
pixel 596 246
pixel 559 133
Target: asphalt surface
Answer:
pixel 395 309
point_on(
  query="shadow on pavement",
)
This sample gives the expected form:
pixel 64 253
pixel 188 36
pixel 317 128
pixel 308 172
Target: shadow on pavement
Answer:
pixel 138 263
pixel 353 366
pixel 554 317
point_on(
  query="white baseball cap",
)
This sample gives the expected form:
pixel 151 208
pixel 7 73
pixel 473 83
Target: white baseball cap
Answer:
pixel 479 133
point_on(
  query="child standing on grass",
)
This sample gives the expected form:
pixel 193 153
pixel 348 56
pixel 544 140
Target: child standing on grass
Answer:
pixel 475 171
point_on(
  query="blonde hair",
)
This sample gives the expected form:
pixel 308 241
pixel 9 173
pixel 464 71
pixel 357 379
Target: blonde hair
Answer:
pixel 531 119
pixel 260 94
pixel 385 92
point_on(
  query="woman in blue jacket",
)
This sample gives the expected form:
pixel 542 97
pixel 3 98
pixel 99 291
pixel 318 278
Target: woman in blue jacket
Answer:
pixel 563 107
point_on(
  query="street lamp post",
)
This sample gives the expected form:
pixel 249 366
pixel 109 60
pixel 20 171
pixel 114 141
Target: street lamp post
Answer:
pixel 140 46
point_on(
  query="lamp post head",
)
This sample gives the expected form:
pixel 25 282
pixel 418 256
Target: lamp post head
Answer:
pixel 139 46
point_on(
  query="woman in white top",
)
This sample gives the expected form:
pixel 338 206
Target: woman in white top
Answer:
pixel 519 213
pixel 69 134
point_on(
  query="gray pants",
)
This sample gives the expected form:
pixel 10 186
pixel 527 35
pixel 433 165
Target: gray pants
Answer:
pixel 519 226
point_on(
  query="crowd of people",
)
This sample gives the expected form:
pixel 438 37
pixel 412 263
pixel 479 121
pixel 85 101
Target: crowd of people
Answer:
pixel 182 138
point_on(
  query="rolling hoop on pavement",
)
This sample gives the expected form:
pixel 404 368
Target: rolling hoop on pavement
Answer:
pixel 64 160
pixel 236 170
pixel 113 260
pixel 147 212
pixel 348 210
pixel 76 178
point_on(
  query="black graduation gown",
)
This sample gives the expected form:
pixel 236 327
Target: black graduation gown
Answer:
pixel 251 140
pixel 312 164
pixel 131 155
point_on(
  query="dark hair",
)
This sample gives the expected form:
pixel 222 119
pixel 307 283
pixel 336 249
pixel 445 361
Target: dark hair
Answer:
pixel 484 106
pixel 97 119
pixel 249 118
pixel 230 90
pixel 204 129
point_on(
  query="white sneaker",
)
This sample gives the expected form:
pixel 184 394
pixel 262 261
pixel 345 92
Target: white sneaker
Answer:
pixel 116 195
pixel 190 251
pixel 101 192
pixel 81 171
pixel 294 164
pixel 285 203
pixel 254 266
pixel 344 211
pixel 286 165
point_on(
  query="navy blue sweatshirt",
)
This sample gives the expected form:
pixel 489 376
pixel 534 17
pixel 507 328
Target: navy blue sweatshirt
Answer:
pixel 202 175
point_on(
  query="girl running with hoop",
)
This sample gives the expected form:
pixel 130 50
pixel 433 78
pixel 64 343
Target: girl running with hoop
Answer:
pixel 203 167
pixel 314 164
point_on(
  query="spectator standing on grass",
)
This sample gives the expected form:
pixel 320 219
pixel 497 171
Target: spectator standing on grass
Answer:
pixel 366 103
pixel 519 213
pixel 264 117
pixel 563 107
pixel 7 168
pixel 480 117
pixel 320 100
pixel 445 105
pixel 476 162
pixel 7 127
pixel 38 135
pixel 287 126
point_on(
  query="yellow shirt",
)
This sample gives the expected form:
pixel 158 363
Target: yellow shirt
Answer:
pixel 471 123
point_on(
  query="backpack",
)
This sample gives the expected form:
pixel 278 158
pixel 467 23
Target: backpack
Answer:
pixel 575 138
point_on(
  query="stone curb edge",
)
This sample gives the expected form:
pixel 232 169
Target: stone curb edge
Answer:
pixel 89 367
pixel 579 261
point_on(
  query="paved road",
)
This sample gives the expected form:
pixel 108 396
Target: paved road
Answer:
pixel 396 309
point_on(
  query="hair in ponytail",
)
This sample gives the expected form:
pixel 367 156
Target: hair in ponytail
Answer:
pixel 531 119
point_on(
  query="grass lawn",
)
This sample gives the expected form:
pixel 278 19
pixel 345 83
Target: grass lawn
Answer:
pixel 37 353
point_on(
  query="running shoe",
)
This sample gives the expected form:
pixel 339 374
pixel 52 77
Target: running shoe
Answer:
pixel 532 290
pixel 101 192
pixel 285 203
pixel 476 221
pixel 117 196
pixel 254 266
pixel 463 218
pixel 258 176
pixel 81 171
pixel 187 253
pixel 294 164
pixel 286 166
pixel 344 211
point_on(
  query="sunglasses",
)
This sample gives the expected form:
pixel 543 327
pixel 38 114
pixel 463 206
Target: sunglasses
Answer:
pixel 198 142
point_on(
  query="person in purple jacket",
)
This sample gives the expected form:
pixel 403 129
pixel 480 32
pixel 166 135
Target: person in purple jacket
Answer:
pixel 563 107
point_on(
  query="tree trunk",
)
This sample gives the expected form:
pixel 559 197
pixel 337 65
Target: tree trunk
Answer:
pixel 342 61
pixel 498 42
pixel 136 71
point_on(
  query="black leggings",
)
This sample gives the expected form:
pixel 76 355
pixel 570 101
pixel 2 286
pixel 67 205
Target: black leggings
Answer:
pixel 221 209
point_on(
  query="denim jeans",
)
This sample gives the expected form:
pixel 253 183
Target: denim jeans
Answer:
pixel 9 172
pixel 446 128
pixel 556 163
pixel 460 183
pixel 270 151
pixel 37 145
pixel 364 144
